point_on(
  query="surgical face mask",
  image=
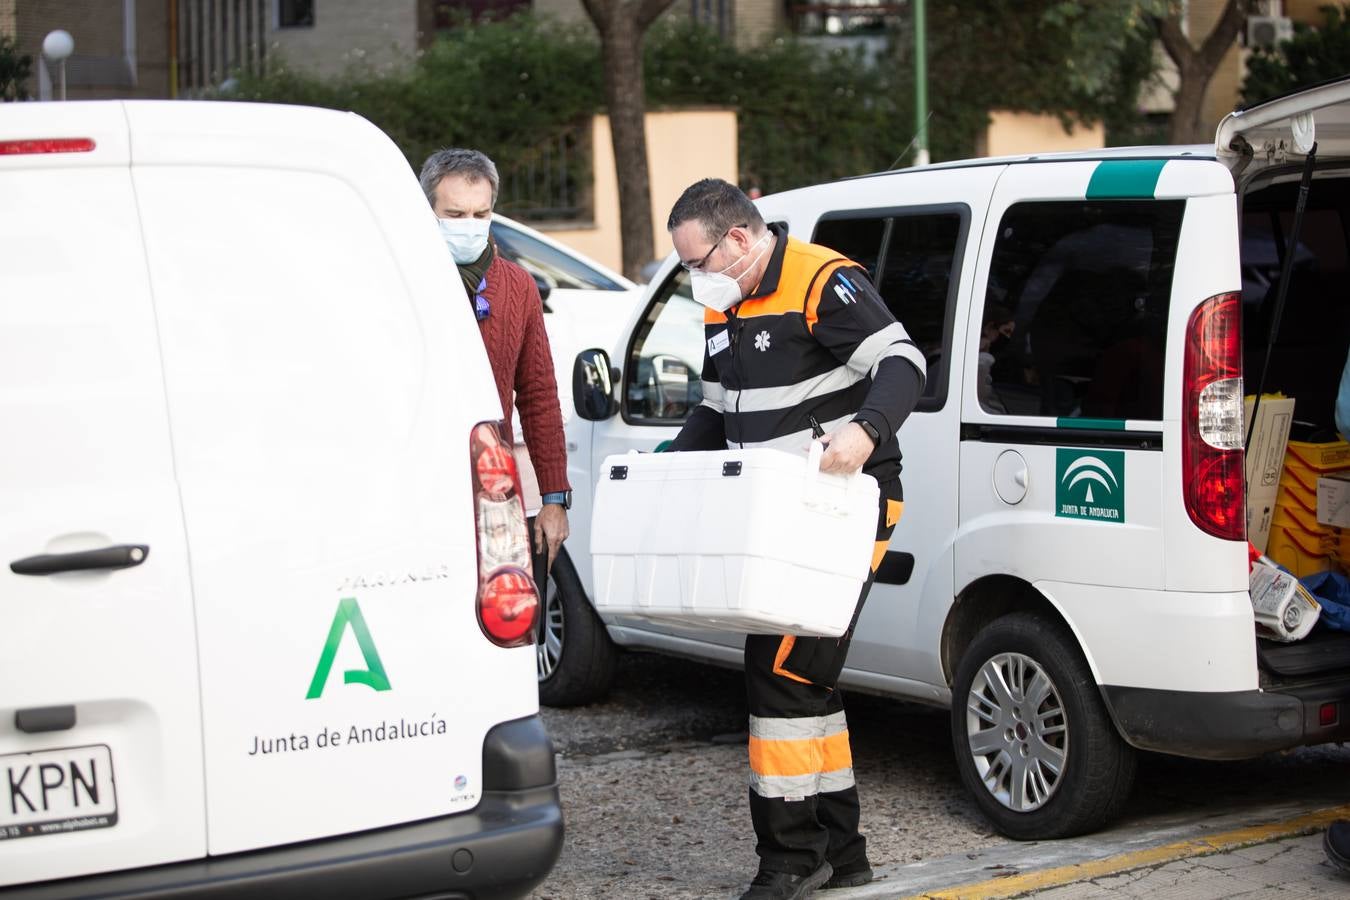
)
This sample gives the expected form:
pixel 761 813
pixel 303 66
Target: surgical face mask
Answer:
pixel 719 291
pixel 466 238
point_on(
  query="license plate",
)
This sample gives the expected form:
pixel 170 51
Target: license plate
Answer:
pixel 57 791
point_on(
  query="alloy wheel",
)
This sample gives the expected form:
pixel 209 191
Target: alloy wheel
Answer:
pixel 548 651
pixel 1017 729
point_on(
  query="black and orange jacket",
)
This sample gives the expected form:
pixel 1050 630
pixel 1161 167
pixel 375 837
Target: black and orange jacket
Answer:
pixel 815 340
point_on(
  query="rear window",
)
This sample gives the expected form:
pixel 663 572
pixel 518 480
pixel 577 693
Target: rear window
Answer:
pixel 1074 321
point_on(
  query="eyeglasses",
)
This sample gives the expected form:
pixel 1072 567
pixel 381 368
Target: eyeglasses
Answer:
pixel 698 266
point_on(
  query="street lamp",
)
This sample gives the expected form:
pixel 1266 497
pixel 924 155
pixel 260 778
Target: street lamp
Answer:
pixel 56 47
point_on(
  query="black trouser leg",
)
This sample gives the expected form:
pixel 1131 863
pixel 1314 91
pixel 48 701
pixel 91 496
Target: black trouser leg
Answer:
pixel 803 798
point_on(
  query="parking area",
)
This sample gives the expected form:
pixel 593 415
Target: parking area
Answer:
pixel 654 795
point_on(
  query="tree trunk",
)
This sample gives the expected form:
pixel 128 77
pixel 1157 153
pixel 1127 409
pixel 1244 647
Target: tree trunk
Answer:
pixel 1186 126
pixel 1196 67
pixel 626 97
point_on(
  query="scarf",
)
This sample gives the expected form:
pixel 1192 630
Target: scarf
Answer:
pixel 473 273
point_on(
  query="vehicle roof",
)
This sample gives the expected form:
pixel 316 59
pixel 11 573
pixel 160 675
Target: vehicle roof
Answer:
pixel 1178 151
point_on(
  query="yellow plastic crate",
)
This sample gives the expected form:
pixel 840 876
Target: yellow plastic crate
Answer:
pixel 1298 551
pixel 1311 460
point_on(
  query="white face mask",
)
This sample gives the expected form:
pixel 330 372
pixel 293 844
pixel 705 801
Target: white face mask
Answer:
pixel 466 238
pixel 719 291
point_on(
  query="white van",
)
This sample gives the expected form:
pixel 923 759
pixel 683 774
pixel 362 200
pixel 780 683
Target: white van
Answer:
pixel 1070 574
pixel 265 629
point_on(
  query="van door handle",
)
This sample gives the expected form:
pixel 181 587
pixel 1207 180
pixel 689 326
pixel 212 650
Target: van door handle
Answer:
pixel 118 556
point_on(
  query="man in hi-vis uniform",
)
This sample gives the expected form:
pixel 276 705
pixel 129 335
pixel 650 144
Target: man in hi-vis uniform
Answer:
pixel 798 343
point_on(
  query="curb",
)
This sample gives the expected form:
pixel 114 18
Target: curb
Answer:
pixel 1223 842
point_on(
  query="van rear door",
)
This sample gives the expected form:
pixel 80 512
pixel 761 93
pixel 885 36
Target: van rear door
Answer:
pixel 324 377
pixel 100 736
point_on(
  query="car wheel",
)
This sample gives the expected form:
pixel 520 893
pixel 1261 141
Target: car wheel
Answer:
pixel 1033 740
pixel 575 655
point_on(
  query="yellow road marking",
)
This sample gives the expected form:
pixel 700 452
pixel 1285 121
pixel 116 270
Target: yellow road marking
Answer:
pixel 1014 885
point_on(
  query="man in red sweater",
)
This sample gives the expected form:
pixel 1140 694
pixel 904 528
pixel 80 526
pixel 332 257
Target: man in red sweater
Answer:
pixel 461 186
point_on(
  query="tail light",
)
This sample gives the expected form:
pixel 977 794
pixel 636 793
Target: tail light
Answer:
pixel 46 145
pixel 508 602
pixel 1212 460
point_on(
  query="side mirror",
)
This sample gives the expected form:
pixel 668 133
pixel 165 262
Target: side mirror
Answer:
pixel 544 287
pixel 593 385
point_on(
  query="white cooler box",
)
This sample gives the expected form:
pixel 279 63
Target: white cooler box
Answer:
pixel 756 541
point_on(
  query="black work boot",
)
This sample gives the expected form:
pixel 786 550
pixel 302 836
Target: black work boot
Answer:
pixel 849 876
pixel 782 886
pixel 1336 843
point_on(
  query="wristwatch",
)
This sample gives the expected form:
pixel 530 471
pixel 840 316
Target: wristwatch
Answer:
pixel 871 431
pixel 562 498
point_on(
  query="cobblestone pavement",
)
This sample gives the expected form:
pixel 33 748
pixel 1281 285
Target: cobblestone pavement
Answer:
pixel 653 784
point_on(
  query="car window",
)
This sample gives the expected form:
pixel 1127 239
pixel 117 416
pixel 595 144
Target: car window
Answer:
pixel 661 381
pixel 1074 321
pixel 555 266
pixel 917 256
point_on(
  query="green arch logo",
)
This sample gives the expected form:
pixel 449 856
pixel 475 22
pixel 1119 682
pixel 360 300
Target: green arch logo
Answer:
pixel 1090 484
pixel 372 676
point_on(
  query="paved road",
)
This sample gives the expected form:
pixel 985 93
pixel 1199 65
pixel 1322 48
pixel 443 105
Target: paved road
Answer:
pixel 653 784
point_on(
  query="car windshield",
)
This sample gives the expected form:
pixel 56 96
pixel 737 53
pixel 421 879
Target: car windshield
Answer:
pixel 555 266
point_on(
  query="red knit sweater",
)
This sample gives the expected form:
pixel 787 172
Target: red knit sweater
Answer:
pixel 517 347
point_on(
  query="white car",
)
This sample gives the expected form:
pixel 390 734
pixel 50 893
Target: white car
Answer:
pixel 267 613
pixel 584 302
pixel 1070 575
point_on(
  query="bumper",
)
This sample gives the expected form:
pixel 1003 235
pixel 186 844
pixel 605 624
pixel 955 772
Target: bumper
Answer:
pixel 502 848
pixel 1229 725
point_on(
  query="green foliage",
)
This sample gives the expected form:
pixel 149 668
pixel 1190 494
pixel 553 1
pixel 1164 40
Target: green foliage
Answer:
pixel 1311 56
pixel 15 70
pixel 1083 61
pixel 807 114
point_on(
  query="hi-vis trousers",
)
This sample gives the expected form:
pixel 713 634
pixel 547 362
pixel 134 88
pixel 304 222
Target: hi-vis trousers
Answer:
pixel 803 800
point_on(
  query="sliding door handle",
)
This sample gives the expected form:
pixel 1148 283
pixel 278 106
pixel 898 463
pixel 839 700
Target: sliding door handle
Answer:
pixel 119 556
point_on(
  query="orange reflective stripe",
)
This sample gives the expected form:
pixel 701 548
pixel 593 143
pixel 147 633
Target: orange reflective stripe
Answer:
pixel 836 753
pixel 894 509
pixel 813 301
pixel 784 648
pixel 809 756
pixel 878 551
pixel 713 317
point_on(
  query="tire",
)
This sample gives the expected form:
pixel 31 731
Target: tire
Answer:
pixel 576 658
pixel 1077 772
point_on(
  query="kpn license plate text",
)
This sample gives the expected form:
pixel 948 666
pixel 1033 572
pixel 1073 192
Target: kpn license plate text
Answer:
pixel 56 791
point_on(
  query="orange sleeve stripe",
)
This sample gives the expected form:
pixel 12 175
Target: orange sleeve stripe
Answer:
pixel 784 648
pixel 810 756
pixel 813 301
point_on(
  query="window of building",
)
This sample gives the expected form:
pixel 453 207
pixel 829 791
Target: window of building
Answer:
pixel 1075 313
pixel 913 258
pixel 295 13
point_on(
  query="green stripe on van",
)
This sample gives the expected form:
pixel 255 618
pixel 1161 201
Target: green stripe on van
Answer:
pixel 1125 178
pixel 1096 424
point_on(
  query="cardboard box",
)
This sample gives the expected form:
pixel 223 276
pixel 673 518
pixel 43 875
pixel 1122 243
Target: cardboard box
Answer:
pixel 1265 461
pixel 1333 499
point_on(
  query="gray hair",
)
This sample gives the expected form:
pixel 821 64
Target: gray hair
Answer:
pixel 718 206
pixel 470 165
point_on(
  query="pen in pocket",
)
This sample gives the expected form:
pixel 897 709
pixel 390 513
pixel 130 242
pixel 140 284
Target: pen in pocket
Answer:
pixel 816 430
